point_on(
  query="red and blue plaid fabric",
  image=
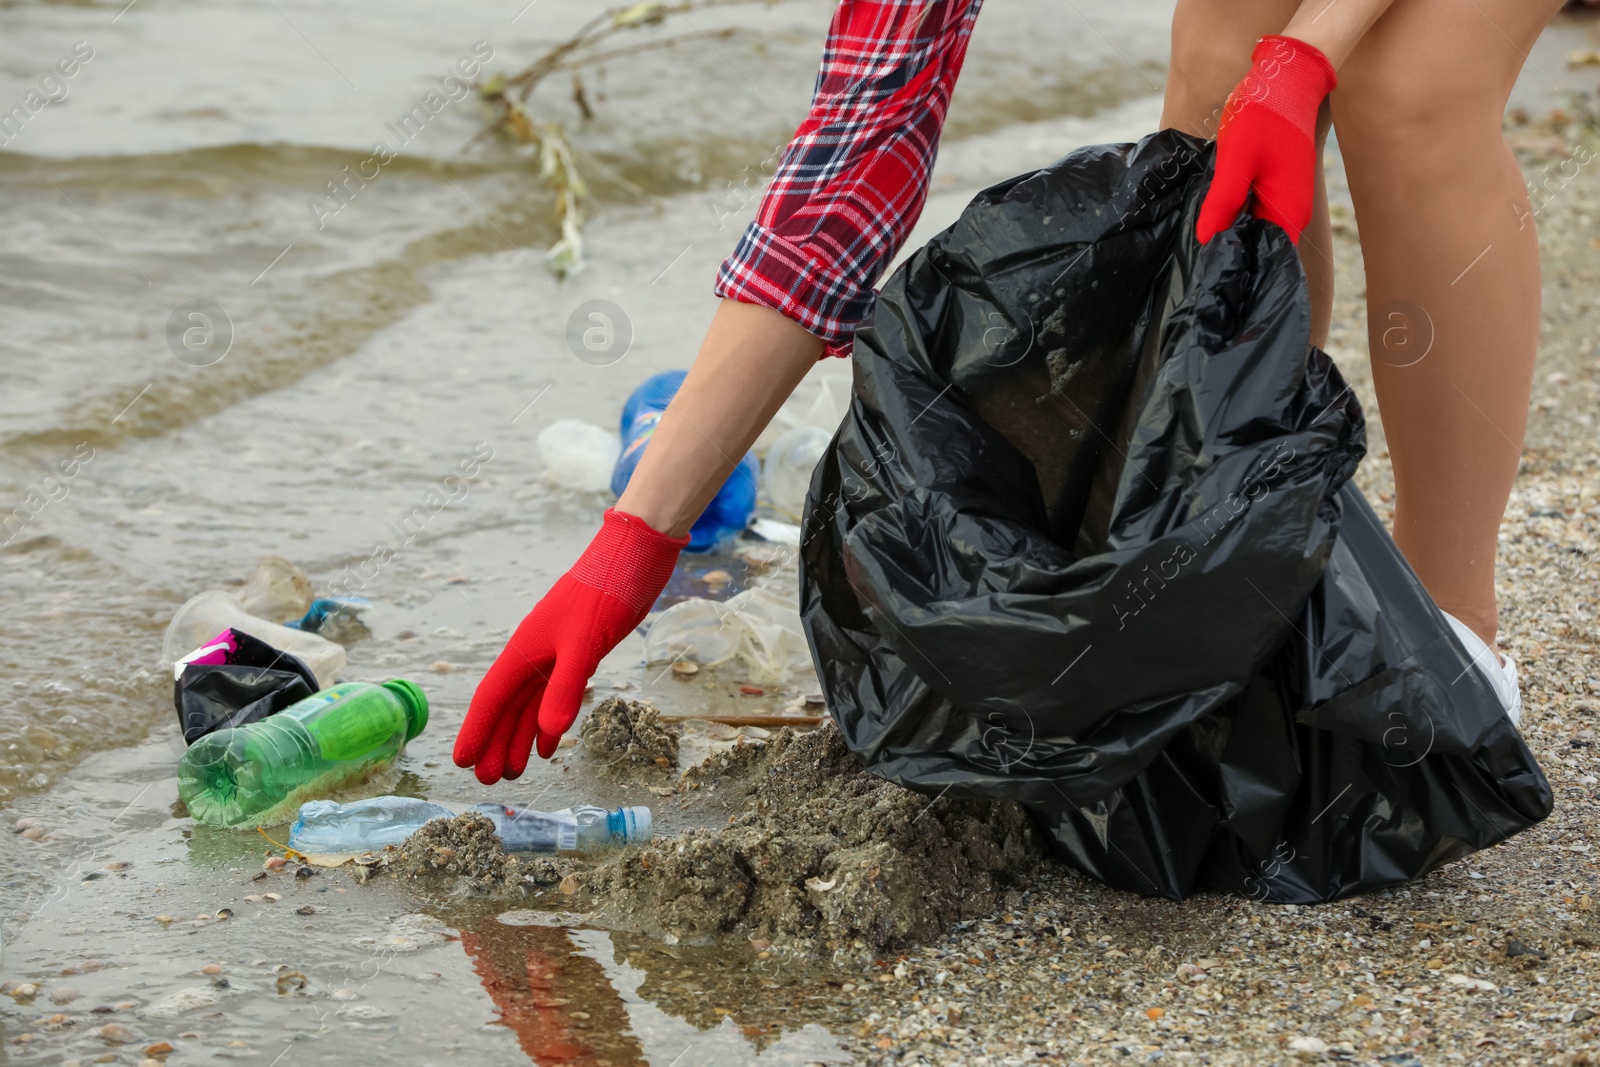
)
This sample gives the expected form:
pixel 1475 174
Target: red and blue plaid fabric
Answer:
pixel 853 180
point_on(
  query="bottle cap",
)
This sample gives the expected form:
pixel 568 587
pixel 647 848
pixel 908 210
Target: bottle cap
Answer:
pixel 410 694
pixel 636 825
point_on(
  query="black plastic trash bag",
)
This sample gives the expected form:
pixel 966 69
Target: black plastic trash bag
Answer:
pixel 236 680
pixel 1086 541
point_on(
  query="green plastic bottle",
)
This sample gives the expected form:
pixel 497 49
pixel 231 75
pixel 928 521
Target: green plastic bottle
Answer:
pixel 253 773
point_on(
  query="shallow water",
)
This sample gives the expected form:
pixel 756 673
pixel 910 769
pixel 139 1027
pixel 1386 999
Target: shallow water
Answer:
pixel 372 350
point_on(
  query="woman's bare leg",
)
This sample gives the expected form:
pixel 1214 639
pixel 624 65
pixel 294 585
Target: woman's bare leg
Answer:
pixel 1447 238
pixel 1211 45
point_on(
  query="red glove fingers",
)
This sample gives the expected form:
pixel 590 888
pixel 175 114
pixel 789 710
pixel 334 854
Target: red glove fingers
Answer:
pixel 531 693
pixel 1267 140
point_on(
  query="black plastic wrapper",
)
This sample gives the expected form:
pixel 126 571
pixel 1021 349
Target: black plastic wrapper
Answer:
pixel 1086 540
pixel 256 681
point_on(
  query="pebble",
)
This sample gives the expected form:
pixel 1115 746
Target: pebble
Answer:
pixel 34 833
pixel 149 1061
pixel 305 909
pixel 24 991
pixel 211 968
pixel 443 666
pixel 271 898
pixel 276 863
pixel 27 822
pixel 63 994
pixel 160 1048
pixel 117 1034
pixel 685 669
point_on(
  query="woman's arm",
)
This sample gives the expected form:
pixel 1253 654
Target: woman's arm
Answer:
pixel 849 188
pixel 751 360
pixel 844 196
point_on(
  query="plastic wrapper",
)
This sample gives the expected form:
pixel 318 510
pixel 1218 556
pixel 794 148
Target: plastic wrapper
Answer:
pixel 234 680
pixel 760 626
pixel 1086 540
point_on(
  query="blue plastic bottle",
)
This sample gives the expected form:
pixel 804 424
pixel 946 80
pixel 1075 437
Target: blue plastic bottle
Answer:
pixel 729 512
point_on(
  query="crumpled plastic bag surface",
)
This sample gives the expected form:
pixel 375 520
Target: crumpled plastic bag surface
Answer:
pixel 234 680
pixel 1086 540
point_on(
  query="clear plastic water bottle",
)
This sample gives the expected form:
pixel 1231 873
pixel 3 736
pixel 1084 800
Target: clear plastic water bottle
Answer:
pixel 248 774
pixel 729 511
pixel 363 826
pixel 581 829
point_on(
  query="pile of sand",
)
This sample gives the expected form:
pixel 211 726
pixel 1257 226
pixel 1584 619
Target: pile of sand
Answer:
pixel 622 731
pixel 819 853
pixel 818 856
pixel 467 847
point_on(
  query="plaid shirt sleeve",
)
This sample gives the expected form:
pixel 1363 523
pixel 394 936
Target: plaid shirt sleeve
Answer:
pixel 853 180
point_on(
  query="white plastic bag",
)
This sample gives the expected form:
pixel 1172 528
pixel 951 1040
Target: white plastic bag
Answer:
pixel 578 456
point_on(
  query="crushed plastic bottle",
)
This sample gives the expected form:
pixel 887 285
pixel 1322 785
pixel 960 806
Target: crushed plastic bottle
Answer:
pixel 758 625
pixel 325 827
pixel 729 511
pixel 581 829
pixel 247 774
pixel 278 590
pixel 578 456
pixel 213 611
pixel 786 472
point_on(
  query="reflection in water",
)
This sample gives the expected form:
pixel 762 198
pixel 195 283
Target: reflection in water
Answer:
pixel 585 996
pixel 560 1004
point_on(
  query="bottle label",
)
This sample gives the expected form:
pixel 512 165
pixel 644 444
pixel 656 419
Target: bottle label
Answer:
pixel 348 733
pixel 639 434
pixel 311 705
pixel 526 830
pixel 352 736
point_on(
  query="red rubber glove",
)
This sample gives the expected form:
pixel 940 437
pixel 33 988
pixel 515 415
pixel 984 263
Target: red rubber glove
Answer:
pixel 532 691
pixel 1267 140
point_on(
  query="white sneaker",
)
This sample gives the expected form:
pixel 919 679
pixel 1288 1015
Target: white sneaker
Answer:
pixel 1502 676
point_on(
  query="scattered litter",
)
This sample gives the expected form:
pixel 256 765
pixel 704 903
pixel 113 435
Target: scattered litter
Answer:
pixel 213 611
pixel 256 773
pixel 234 679
pixel 759 625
